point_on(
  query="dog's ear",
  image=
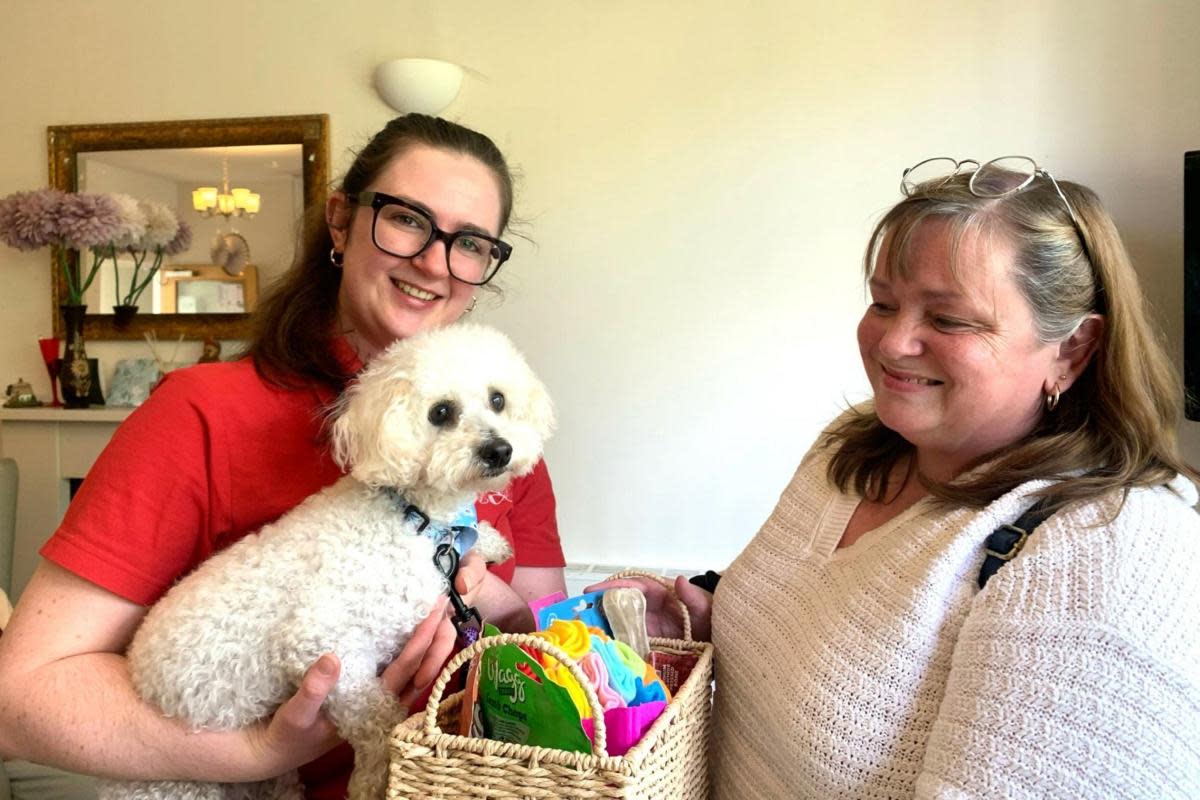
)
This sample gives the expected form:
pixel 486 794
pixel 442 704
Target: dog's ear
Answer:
pixel 375 436
pixel 540 408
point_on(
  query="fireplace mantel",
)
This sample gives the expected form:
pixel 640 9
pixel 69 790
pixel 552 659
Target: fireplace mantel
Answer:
pixel 51 446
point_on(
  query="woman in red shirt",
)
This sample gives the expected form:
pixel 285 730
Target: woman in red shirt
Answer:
pixel 221 449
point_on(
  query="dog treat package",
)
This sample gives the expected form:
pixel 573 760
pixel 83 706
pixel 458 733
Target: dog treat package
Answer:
pixel 583 607
pixel 518 703
pixel 673 668
pixel 520 695
pixel 536 606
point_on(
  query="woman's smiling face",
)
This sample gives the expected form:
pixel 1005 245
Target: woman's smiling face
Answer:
pixel 955 362
pixel 384 297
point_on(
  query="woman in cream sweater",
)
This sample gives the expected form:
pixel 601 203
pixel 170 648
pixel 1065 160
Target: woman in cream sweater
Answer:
pixel 1012 363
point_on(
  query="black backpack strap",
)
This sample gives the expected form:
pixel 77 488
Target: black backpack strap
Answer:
pixel 1006 541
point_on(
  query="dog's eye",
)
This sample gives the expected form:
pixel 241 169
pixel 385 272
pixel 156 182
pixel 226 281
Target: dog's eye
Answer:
pixel 497 401
pixel 443 413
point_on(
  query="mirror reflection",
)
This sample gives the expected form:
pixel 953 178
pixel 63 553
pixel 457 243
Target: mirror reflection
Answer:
pixel 275 170
pixel 242 202
pixel 208 289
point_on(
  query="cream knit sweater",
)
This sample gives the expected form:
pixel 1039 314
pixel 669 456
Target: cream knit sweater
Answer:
pixel 882 671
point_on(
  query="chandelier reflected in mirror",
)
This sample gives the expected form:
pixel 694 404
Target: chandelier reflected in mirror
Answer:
pixel 209 201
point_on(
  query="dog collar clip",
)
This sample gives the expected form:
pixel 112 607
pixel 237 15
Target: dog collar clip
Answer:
pixel 466 619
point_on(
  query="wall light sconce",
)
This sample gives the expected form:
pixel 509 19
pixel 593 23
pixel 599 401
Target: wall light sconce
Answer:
pixel 423 85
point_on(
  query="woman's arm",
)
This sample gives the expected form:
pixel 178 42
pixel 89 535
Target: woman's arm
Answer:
pixel 533 528
pixel 1075 674
pixel 1049 708
pixel 66 698
pixel 531 583
pixel 506 605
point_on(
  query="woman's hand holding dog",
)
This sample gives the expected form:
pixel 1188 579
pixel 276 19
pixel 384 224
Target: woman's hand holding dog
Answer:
pixel 472 571
pixel 299 732
pixel 662 612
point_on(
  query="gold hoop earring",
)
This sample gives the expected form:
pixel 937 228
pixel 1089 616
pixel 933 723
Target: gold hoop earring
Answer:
pixel 335 257
pixel 471 307
pixel 1052 398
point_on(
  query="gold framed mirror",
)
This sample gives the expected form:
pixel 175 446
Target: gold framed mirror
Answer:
pixel 293 149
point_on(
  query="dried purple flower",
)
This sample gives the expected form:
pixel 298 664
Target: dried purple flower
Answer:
pixel 133 222
pixel 29 220
pixel 88 220
pixel 161 225
pixel 8 219
pixel 182 240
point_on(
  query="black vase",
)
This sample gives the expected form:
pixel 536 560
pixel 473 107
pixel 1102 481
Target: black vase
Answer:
pixel 123 315
pixel 75 375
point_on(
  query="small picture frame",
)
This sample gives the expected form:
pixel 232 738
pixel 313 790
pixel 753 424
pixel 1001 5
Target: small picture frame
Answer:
pixel 132 381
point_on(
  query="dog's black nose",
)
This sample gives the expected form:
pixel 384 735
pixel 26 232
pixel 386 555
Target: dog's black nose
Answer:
pixel 495 453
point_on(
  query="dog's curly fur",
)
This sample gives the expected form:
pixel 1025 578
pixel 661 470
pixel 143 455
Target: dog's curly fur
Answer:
pixel 344 571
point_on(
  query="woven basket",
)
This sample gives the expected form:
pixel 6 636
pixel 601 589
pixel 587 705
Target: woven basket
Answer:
pixel 669 762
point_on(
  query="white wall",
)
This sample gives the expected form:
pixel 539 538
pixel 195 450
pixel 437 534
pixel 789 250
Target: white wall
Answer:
pixel 699 179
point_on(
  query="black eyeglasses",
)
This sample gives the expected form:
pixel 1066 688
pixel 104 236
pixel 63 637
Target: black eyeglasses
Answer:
pixel 402 229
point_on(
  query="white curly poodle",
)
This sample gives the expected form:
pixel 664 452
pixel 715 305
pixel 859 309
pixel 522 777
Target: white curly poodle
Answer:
pixel 433 421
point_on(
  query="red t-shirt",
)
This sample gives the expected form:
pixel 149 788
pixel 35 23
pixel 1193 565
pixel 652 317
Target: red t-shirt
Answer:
pixel 215 453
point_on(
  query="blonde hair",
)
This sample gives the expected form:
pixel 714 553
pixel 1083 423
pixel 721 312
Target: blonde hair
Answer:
pixel 1115 428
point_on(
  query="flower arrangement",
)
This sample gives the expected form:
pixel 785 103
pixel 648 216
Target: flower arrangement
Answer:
pixel 148 228
pixel 102 224
pixel 68 221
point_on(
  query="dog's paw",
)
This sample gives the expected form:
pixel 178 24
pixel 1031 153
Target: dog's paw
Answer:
pixel 491 545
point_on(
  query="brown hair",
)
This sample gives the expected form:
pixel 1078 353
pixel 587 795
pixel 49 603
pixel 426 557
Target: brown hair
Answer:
pixel 1115 427
pixel 295 324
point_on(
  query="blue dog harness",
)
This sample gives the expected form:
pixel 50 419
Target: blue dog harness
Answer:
pixel 450 542
pixel 462 532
